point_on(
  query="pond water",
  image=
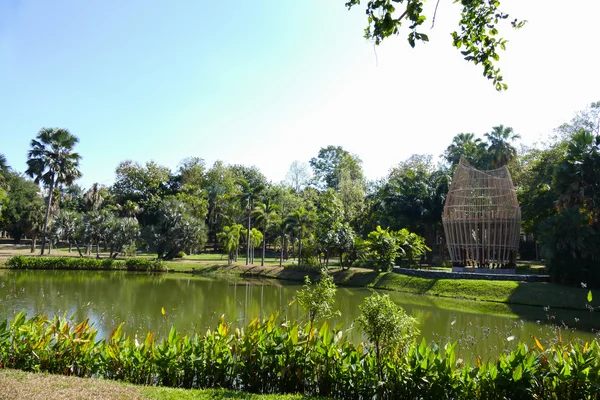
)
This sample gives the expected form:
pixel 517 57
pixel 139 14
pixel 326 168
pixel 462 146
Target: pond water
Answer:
pixel 196 303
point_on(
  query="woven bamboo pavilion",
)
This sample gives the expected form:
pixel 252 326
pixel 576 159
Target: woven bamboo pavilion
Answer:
pixel 482 218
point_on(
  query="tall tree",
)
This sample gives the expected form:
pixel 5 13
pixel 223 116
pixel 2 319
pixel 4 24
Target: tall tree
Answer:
pixel 500 148
pixel 65 226
pixel 191 171
pixel 23 209
pixel 53 162
pixel 4 168
pixel 298 176
pixel 265 213
pixel 468 146
pixel 414 197
pixel 3 164
pixel 176 229
pixel 145 185
pixel 93 198
pixel 329 164
pixel 247 196
pixel 302 222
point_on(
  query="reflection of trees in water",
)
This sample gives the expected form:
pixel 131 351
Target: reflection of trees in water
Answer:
pixel 195 304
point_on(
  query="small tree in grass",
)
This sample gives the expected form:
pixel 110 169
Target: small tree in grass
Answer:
pixel 386 326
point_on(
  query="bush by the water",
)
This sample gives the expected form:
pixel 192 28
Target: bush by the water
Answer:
pixel 130 264
pixel 280 356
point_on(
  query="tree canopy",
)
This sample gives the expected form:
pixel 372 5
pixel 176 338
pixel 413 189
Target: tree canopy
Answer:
pixel 477 36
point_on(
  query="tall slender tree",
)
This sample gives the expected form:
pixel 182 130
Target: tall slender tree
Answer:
pixel 501 151
pixel 467 145
pixel 246 197
pixel 300 221
pixel 53 162
pixel 265 213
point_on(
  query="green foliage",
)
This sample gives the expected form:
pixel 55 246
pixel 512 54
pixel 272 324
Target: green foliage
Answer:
pixel 478 33
pixel 384 247
pixel 387 245
pixel 501 152
pixel 229 238
pixel 52 161
pixel 274 356
pixel 387 327
pixel 385 324
pixel 23 209
pixel 177 229
pixel 571 238
pixel 331 164
pixel 411 246
pixel 317 300
pixel 64 263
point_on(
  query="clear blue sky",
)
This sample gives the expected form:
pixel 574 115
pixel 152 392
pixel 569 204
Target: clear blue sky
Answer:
pixel 267 82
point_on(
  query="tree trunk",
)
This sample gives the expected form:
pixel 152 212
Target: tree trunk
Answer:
pixel 299 250
pixel 78 249
pixel 33 241
pixel 248 245
pixel 281 251
pixel 47 215
pixel 70 247
pixel 262 263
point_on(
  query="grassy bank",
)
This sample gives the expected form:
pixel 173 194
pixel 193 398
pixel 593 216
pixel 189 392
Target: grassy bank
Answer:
pixel 540 294
pixel 20 385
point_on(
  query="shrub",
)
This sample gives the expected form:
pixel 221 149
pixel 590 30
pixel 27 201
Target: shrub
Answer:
pixel 58 263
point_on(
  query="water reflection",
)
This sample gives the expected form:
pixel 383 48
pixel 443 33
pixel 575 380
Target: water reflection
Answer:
pixel 196 303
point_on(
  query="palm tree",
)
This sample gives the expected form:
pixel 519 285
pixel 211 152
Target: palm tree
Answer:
pixel 93 198
pixel 265 213
pixel 467 145
pixel 302 222
pixel 65 226
pixel 4 168
pixel 501 151
pixel 246 198
pixel 130 209
pixel 53 162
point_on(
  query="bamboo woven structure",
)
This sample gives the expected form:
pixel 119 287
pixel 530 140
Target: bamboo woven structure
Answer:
pixel 482 218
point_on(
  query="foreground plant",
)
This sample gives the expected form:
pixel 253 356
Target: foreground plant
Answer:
pixel 269 356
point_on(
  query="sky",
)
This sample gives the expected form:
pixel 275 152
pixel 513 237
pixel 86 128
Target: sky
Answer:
pixel 267 82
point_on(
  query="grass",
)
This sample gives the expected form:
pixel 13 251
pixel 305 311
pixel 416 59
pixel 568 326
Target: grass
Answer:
pixel 20 385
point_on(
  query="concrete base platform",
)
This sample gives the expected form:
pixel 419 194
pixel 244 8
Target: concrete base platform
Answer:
pixel 481 273
pixel 486 271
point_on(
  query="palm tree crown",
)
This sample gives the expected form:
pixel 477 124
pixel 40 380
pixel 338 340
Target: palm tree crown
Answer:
pixel 501 151
pixel 53 162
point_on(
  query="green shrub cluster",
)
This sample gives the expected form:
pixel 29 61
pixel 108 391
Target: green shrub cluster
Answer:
pixel 275 356
pixel 130 264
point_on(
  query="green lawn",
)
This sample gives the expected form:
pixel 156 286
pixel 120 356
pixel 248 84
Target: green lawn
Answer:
pixel 19 385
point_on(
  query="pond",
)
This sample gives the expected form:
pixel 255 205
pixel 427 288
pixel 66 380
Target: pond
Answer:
pixel 196 303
